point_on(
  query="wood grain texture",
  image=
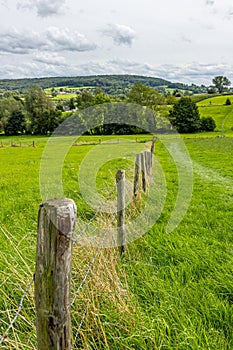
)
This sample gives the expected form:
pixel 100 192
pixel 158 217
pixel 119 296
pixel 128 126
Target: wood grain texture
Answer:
pixel 56 225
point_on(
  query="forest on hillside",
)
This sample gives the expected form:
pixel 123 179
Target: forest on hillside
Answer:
pixel 116 85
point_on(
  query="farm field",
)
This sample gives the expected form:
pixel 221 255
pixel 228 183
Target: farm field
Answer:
pixel 172 291
pixel 223 115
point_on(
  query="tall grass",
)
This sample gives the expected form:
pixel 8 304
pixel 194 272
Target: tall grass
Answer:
pixel 169 291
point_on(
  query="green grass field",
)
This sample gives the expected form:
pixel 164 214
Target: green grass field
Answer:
pixel 222 114
pixel 216 100
pixel 170 291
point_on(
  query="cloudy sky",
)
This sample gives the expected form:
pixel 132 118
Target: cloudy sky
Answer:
pixel 182 40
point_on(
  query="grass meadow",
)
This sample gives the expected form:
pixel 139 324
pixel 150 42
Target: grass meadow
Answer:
pixel 170 290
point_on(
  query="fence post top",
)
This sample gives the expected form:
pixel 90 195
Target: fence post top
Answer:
pixel 120 174
pixel 58 202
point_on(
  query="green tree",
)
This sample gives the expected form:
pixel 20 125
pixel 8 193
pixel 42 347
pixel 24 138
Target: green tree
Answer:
pixel 71 104
pixel 7 106
pixel 101 98
pixel 221 83
pixel 208 124
pixel 41 112
pixel 84 100
pixel 145 96
pixel 16 123
pixel 228 102
pixel 185 116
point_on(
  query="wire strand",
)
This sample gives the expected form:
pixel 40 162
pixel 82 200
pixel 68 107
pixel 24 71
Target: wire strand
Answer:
pixel 20 306
pixel 75 240
pixel 79 328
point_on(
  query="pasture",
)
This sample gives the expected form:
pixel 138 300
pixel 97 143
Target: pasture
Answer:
pixel 170 290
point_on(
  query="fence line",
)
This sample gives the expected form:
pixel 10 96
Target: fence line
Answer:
pixel 75 240
pixel 143 167
pixel 89 269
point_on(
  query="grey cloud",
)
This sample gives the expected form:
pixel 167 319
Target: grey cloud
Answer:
pixel 64 39
pixel 186 39
pixel 53 39
pixel 44 8
pixel 17 42
pixel 210 2
pixel 189 73
pixel 121 34
pixel 229 14
pixel 49 58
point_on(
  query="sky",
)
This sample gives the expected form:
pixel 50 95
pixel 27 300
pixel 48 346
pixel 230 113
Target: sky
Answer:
pixel 187 41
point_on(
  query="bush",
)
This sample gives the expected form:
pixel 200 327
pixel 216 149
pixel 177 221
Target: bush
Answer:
pixel 228 102
pixel 207 124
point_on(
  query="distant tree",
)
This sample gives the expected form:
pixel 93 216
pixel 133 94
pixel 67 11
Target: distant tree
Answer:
pixel 228 102
pixel 71 104
pixel 185 116
pixel 221 83
pixel 53 92
pixel 208 124
pixel 16 123
pixel 7 106
pixel 211 90
pixel 145 96
pixel 84 100
pixel 42 115
pixel 177 93
pixel 171 100
pixel 101 98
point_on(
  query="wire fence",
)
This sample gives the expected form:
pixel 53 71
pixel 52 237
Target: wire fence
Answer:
pixel 20 307
pixel 84 279
pixel 82 283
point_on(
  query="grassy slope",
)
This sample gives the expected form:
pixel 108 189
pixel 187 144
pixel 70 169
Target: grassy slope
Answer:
pixel 222 114
pixel 179 285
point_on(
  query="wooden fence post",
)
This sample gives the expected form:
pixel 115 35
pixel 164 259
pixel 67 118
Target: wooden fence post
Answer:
pixel 137 171
pixel 153 145
pixel 143 171
pixel 56 224
pixel 120 183
pixel 147 156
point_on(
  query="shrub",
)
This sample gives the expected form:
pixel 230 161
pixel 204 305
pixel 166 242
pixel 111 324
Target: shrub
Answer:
pixel 207 124
pixel 228 102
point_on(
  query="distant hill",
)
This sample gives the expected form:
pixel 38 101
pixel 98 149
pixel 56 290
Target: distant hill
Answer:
pixel 111 84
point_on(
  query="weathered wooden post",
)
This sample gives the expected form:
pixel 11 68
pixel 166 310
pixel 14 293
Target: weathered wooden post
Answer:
pixel 137 171
pixel 153 145
pixel 147 156
pixel 56 224
pixel 120 183
pixel 143 171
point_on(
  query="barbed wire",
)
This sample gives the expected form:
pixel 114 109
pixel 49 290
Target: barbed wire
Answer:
pixel 75 240
pixel 79 328
pixel 20 306
pixel 88 271
pixel 90 267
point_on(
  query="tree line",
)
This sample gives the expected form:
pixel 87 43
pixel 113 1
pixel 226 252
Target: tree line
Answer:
pixel 36 113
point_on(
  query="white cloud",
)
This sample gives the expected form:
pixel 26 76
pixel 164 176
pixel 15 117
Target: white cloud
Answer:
pixel 121 34
pixel 187 73
pixel 14 41
pixel 49 58
pixel 44 8
pixel 65 39
pixel 53 39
